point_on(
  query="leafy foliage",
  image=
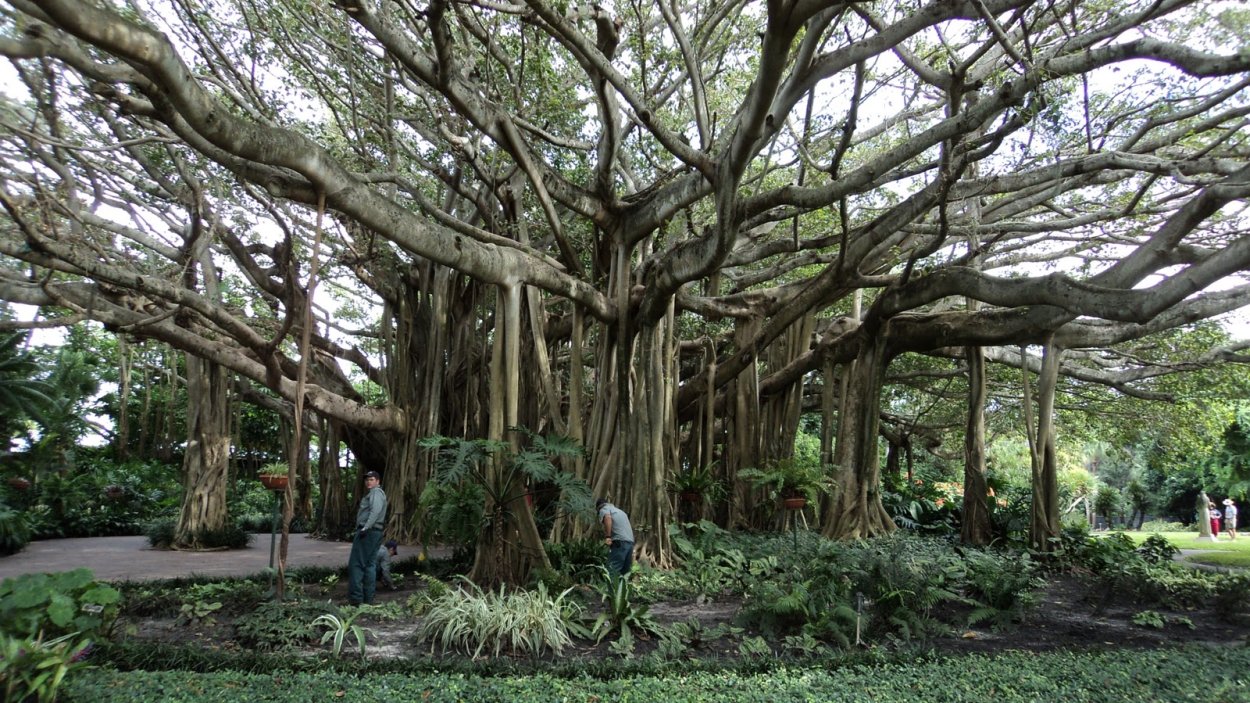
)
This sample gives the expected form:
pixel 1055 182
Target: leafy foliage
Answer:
pixel 1157 549
pixel 621 614
pixel 14 531
pixel 463 463
pixel 56 604
pixel 339 628
pixel 32 669
pixel 276 625
pixel 1184 674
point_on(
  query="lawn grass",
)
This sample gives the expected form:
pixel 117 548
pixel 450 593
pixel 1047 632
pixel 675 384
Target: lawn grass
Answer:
pixel 1225 552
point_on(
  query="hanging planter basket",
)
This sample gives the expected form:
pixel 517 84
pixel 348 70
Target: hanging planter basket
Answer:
pixel 274 482
pixel 690 497
pixel 794 503
pixel 114 492
pixel 19 484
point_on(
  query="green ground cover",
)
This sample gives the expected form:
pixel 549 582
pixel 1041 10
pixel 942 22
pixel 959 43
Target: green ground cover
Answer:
pixel 1194 673
pixel 1224 552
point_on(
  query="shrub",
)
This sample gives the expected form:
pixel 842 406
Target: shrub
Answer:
pixel 582 560
pixel 1162 526
pixel 160 533
pixel 620 614
pixel 1002 585
pixel 1157 549
pixel 57 604
pixel 1232 593
pixel 280 624
pixel 14 531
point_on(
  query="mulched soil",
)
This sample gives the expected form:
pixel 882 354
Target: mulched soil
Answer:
pixel 1069 615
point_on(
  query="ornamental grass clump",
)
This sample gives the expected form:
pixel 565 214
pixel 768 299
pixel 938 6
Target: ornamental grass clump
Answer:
pixel 474 621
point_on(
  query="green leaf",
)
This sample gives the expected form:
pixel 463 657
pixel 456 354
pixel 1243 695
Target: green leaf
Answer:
pixel 61 610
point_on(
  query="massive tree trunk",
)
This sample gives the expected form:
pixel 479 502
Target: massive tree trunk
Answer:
pixel 633 436
pixel 976 517
pixel 336 513
pixel 742 441
pixel 1044 513
pixel 206 464
pixel 858 512
pixel 510 546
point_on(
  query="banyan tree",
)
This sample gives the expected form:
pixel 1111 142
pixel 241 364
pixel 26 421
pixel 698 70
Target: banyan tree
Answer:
pixel 667 230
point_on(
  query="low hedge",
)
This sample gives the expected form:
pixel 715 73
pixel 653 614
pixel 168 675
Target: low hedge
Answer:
pixel 1194 673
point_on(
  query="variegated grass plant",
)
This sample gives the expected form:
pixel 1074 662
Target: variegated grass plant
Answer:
pixel 473 621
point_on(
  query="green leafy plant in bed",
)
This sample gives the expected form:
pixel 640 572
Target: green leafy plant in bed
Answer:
pixel 470 620
pixel 57 604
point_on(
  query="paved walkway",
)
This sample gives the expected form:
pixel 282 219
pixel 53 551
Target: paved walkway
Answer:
pixel 131 559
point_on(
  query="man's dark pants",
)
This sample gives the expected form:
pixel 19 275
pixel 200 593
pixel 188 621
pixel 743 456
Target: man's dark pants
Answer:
pixel 362 574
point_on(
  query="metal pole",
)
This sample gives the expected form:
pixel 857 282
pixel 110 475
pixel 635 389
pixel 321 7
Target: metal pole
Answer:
pixel 273 537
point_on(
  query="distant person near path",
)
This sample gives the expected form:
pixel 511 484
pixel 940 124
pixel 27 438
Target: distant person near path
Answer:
pixel 1215 519
pixel 362 573
pixel 1230 518
pixel 619 536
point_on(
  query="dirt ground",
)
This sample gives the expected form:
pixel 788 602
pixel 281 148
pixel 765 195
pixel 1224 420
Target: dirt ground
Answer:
pixel 1067 616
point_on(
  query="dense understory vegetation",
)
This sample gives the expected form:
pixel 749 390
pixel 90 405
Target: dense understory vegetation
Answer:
pixel 807 617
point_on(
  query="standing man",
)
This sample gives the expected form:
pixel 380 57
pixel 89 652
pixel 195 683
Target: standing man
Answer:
pixel 1230 518
pixel 362 574
pixel 618 535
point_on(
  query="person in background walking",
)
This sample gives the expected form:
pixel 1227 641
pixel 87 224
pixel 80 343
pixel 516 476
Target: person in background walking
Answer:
pixel 619 536
pixel 362 576
pixel 1230 518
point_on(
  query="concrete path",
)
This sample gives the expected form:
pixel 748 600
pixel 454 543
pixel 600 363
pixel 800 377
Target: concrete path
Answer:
pixel 131 559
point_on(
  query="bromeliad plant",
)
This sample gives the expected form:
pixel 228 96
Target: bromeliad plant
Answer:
pixel 339 628
pixel 620 612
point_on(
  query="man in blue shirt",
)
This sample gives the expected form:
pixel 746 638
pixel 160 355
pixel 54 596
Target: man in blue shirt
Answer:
pixel 618 534
pixel 362 567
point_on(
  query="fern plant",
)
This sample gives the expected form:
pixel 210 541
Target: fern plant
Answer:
pixel 339 628
pixel 468 462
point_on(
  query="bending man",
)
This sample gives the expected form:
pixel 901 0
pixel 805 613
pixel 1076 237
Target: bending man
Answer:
pixel 618 535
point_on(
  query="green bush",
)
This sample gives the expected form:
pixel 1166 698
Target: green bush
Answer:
pixel 14 531
pixel 281 624
pixel 1002 585
pixel 1232 593
pixel 581 560
pixel 160 534
pixel 57 604
pixel 1157 549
